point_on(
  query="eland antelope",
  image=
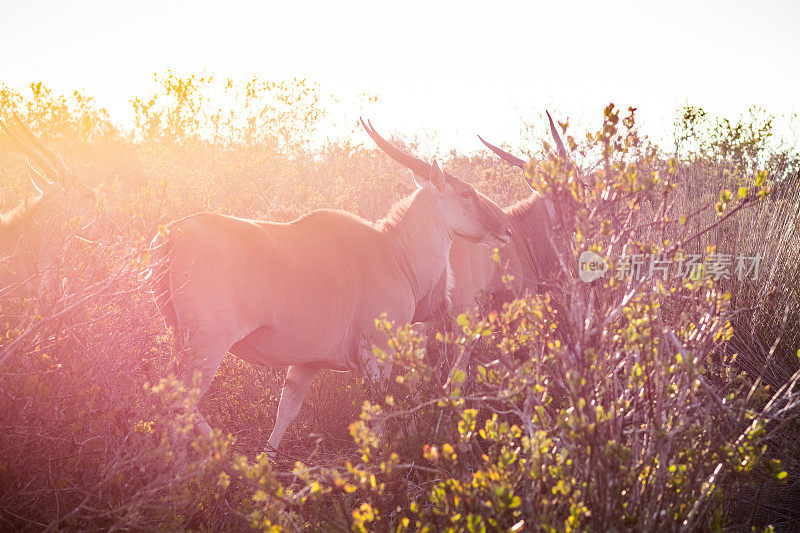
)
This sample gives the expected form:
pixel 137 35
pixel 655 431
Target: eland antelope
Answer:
pixel 305 294
pixel 31 234
pixel 530 256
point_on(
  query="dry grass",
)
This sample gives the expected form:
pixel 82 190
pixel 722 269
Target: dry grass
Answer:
pixel 89 436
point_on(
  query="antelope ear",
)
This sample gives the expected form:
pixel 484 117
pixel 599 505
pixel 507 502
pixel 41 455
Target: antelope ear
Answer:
pixel 38 181
pixel 437 176
pixel 420 180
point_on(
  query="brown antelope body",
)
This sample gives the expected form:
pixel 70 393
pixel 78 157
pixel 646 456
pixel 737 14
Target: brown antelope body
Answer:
pixel 305 294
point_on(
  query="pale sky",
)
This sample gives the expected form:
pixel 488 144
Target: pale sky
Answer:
pixel 453 68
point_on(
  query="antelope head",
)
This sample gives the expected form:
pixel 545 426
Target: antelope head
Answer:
pixel 61 197
pixel 462 210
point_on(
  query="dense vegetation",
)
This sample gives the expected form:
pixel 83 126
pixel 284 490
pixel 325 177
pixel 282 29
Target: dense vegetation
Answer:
pixel 617 404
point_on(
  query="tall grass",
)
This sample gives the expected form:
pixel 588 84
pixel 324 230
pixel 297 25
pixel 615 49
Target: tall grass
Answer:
pixel 608 405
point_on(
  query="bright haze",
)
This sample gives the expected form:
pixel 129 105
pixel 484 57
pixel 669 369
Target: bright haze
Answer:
pixel 443 70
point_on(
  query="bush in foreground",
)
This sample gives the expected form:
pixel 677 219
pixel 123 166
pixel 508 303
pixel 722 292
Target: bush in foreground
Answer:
pixel 616 404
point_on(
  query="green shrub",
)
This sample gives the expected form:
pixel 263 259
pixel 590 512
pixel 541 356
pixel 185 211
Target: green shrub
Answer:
pixel 616 404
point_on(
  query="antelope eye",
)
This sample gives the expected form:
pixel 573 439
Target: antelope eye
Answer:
pixel 466 194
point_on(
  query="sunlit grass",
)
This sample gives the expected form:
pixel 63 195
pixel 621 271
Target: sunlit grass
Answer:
pixel 671 410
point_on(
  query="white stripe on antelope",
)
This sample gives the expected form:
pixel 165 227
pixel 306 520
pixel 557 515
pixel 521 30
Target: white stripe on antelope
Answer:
pixel 305 294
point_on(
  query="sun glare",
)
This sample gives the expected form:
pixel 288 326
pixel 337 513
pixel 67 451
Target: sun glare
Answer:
pixel 450 68
pixel 409 266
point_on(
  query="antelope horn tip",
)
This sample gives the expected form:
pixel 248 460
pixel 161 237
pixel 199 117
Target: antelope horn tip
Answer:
pixel 562 152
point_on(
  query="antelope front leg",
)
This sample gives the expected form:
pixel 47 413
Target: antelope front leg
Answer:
pixel 207 351
pixel 378 372
pixel 295 386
